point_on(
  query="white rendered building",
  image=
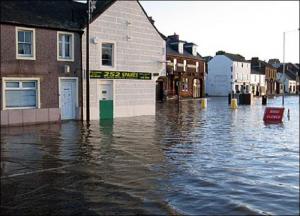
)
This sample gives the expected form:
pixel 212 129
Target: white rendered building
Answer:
pixel 228 73
pixel 127 55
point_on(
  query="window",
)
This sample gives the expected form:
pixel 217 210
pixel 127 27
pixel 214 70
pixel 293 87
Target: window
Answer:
pixel 180 47
pixel 175 64
pixel 25 43
pixel 107 54
pixel 20 93
pixel 65 46
pixel 185 84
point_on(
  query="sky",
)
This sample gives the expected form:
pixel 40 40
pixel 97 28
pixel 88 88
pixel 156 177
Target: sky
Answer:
pixel 249 28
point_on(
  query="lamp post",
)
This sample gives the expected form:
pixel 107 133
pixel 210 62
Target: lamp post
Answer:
pixel 283 63
pixel 91 6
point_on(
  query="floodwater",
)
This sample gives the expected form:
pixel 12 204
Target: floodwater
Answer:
pixel 184 160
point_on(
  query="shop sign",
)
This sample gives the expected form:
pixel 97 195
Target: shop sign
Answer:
pixel 273 115
pixel 119 75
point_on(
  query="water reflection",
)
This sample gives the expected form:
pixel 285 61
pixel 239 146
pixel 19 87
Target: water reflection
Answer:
pixel 212 161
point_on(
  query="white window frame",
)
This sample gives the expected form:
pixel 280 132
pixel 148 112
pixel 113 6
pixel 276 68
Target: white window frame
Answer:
pixel 180 47
pixel 114 56
pixel 175 64
pixel 184 65
pixel 20 79
pixel 72 46
pixel 24 57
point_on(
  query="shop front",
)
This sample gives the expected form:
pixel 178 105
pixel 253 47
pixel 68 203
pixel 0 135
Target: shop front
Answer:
pixel 121 94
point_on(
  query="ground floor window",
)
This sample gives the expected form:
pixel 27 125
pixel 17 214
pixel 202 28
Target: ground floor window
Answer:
pixel 20 93
pixel 185 84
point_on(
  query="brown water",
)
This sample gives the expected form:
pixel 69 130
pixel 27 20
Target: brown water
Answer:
pixel 183 160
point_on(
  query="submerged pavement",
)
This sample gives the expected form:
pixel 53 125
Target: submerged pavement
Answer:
pixel 184 160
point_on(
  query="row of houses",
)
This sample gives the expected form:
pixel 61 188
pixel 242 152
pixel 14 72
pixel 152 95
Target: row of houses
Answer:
pixel 232 73
pixel 131 64
pixel 44 74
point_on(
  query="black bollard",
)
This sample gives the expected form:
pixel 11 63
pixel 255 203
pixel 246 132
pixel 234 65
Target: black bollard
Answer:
pixel 229 98
pixel 264 100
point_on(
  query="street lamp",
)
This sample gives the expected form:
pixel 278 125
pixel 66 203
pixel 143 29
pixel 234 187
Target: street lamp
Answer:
pixel 91 6
pixel 283 63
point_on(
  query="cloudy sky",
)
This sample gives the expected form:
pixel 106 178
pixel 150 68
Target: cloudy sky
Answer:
pixel 250 28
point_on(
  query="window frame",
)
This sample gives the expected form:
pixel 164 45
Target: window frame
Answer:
pixel 114 56
pixel 21 79
pixel 59 58
pixel 33 50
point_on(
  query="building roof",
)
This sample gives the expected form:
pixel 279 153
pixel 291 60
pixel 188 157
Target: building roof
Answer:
pixel 234 57
pixel 62 14
pixel 39 13
pixel 257 71
pixel 291 70
pixel 185 54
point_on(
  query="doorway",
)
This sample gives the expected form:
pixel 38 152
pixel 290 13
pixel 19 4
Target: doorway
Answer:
pixel 68 97
pixel 106 100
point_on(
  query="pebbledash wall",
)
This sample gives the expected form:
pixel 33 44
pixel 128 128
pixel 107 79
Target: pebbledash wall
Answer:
pixel 137 47
pixel 44 68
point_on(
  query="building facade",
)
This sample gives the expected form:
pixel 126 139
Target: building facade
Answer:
pixel 228 73
pixel 126 56
pixel 185 69
pixel 290 78
pixel 257 82
pixel 270 74
pixel 40 63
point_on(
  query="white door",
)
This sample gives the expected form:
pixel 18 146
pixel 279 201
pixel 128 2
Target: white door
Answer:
pixel 106 91
pixel 67 98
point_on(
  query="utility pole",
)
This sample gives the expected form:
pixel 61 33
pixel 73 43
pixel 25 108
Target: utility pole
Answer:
pixel 283 63
pixel 91 5
pixel 283 68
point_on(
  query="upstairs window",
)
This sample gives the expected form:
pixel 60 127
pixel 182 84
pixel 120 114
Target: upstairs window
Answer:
pixel 65 46
pixel 25 46
pixel 107 54
pixel 180 47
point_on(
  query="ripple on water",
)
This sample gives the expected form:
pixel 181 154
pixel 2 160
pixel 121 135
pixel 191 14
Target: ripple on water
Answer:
pixel 182 161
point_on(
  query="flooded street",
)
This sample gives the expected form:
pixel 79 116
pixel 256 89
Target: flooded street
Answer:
pixel 191 161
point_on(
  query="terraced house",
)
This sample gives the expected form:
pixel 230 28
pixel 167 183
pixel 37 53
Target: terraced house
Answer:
pixel 40 62
pixel 43 61
pixel 185 69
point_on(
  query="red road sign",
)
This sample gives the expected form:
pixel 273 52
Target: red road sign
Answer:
pixel 273 115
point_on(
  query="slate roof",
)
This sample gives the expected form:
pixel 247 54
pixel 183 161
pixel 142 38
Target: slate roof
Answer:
pixel 186 54
pixel 57 14
pixel 292 70
pixel 235 57
pixel 257 71
pixel 40 13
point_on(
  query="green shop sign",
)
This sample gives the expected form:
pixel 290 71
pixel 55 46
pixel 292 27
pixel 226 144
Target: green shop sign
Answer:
pixel 119 75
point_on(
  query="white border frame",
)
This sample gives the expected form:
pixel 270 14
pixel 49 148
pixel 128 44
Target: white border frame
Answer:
pixel 21 57
pixel 37 79
pixel 76 91
pixel 57 46
pixel 102 67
